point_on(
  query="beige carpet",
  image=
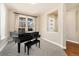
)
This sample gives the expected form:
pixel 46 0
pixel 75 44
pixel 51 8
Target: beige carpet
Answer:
pixel 46 49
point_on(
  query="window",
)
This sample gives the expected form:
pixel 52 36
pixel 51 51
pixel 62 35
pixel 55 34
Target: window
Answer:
pixel 52 21
pixel 26 22
pixel 51 24
pixel 30 24
pixel 22 22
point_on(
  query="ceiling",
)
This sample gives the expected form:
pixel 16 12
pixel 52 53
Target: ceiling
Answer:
pixel 32 9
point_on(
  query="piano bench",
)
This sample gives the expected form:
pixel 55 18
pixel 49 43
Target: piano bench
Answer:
pixel 29 44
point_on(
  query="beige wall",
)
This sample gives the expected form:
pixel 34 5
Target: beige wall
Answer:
pixel 70 24
pixel 4 26
pixel 56 37
pixel 11 21
pixel 0 21
pixel 4 21
pixel 37 23
pixel 77 21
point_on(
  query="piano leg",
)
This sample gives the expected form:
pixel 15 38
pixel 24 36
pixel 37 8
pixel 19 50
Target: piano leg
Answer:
pixel 36 44
pixel 18 47
pixel 39 44
pixel 27 50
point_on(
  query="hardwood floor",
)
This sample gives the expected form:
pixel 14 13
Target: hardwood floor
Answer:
pixel 72 49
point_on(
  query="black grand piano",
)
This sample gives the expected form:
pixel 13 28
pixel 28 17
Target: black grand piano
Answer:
pixel 25 37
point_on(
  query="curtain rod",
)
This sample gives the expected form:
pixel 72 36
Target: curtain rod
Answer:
pixel 25 14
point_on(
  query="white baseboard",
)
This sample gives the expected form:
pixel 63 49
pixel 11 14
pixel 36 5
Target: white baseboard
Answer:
pixel 3 43
pixel 5 37
pixel 2 47
pixel 64 47
pixel 54 43
pixel 73 41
